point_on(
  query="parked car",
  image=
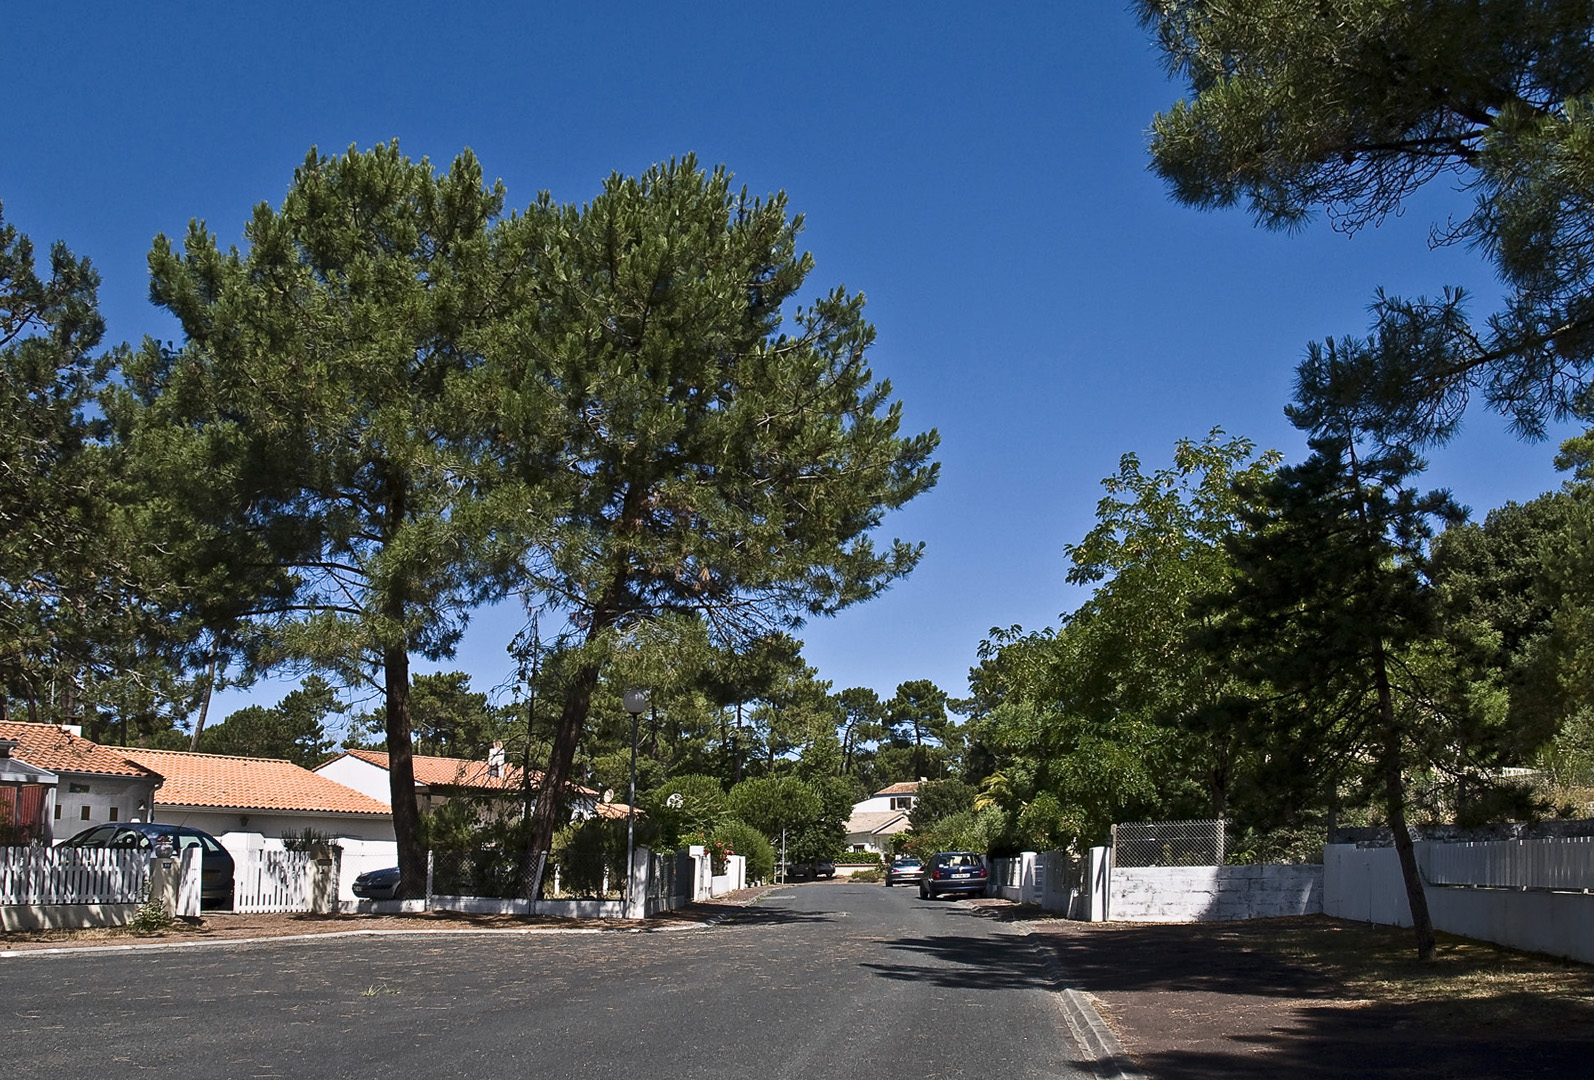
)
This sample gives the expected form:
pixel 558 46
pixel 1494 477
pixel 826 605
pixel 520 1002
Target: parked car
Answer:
pixel 953 872
pixel 811 868
pixel 215 864
pixel 377 884
pixel 903 869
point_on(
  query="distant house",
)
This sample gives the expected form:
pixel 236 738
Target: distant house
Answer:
pixel 441 779
pixel 878 818
pixel 223 794
pixel 94 784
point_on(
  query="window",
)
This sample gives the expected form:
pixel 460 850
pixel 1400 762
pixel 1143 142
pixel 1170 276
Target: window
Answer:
pixel 113 813
pixel 58 811
pixel 77 789
pixel 83 812
pixel 902 802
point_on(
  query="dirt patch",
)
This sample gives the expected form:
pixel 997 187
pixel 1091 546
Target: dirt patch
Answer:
pixel 1322 997
pixel 224 926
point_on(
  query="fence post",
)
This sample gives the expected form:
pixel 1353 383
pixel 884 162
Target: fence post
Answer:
pixel 638 886
pixel 1099 883
pixel 430 858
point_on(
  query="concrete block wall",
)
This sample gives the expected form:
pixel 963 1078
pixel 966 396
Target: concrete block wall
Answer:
pixel 1213 893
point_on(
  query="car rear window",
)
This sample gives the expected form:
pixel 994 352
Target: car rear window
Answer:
pixel 959 859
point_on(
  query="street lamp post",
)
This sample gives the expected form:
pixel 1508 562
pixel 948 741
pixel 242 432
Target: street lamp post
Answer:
pixel 635 702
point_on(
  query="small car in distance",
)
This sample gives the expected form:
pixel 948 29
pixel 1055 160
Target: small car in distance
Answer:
pixel 215 864
pixel 953 872
pixel 903 870
pixel 811 868
pixel 377 884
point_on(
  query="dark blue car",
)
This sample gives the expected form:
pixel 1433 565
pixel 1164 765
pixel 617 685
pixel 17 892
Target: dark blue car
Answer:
pixel 215 864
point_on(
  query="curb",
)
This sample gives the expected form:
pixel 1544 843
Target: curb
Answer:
pixel 420 931
pixel 156 946
pixel 1098 1046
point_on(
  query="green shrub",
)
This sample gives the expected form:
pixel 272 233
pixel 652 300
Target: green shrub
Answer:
pixel 748 842
pixel 151 917
pixel 873 873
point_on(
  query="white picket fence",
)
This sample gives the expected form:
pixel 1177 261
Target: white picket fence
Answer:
pixel 268 880
pixel 1555 863
pixel 63 875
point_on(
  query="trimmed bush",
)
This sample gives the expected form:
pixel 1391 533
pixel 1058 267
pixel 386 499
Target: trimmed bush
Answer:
pixel 748 842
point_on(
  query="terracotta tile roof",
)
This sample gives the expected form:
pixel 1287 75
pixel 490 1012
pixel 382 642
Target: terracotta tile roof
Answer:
pixel 460 772
pixel 615 811
pixel 243 783
pixel 907 787
pixel 46 746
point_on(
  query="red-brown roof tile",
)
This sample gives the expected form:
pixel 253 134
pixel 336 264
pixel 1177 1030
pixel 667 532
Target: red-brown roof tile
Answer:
pixel 222 780
pixel 907 787
pixel 47 746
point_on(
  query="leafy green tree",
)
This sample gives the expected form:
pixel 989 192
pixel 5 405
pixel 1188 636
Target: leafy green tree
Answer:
pixel 53 574
pixel 1114 715
pixel 326 385
pixel 294 729
pixel 939 799
pixel 1499 596
pixel 861 724
pixel 746 672
pixel 778 806
pixel 1353 106
pixel 1327 604
pixel 918 721
pixel 685 805
pixel 450 719
pixel 700 458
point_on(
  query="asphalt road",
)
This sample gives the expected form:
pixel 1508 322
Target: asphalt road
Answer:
pixel 815 980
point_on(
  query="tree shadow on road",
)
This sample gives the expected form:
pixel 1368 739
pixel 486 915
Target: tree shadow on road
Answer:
pixel 760 915
pixel 970 963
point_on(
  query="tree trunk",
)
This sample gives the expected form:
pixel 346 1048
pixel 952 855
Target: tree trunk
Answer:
pixel 1395 809
pixel 736 777
pixel 572 719
pixel 401 774
pixel 204 702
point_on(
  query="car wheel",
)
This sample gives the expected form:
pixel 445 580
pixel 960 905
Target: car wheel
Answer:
pixel 924 894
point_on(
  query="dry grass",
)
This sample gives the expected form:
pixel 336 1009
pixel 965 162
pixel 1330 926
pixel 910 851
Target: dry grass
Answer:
pixel 1469 983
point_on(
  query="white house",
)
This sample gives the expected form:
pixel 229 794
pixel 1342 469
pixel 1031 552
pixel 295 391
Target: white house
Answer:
pixel 878 818
pixel 269 797
pixel 94 784
pixel 439 779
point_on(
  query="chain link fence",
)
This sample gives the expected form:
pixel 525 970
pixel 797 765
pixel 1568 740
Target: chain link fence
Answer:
pixel 1168 843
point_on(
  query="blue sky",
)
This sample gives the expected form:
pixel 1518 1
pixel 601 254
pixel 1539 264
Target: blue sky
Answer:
pixel 979 171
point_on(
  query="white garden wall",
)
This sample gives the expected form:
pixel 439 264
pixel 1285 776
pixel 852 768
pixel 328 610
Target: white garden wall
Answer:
pixel 1365 884
pixel 1213 893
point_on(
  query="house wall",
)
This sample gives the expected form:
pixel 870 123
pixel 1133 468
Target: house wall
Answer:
pixel 362 776
pixel 881 804
pixel 84 800
pixel 272 825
